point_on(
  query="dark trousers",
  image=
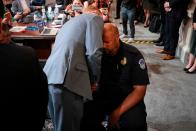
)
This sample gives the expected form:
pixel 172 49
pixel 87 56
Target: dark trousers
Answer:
pixel 128 15
pixel 173 22
pixel 95 112
pixel 163 26
pixel 118 4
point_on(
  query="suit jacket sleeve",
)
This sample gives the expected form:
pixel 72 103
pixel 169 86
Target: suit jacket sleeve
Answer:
pixel 94 46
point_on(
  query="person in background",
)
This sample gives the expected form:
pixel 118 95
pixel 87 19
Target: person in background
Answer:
pixel 75 8
pixel 176 11
pixel 139 15
pixel 128 10
pixel 64 3
pixel 85 3
pixel 94 3
pixel 8 5
pixel 24 92
pixel 22 8
pixel 161 40
pixel 147 6
pixel 103 10
pixel 118 4
pixel 37 2
pixel 121 89
pixel 191 66
pixel 72 68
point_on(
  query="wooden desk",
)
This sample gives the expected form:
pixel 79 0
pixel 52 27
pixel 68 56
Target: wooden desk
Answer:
pixel 41 44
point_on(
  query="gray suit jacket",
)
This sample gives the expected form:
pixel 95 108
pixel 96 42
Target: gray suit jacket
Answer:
pixel 76 54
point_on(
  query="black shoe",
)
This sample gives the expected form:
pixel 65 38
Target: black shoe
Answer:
pixel 117 17
pixel 145 26
pixel 186 69
pixel 190 72
pixel 159 44
pixel 157 41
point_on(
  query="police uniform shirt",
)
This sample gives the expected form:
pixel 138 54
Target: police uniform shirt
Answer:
pixel 121 72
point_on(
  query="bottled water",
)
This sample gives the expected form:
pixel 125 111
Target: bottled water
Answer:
pixel 37 16
pixel 44 18
pixel 50 13
pixel 56 11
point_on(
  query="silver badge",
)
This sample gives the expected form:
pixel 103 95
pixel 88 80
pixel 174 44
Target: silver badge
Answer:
pixel 142 64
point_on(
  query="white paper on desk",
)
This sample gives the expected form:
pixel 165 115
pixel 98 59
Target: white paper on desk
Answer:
pixel 18 28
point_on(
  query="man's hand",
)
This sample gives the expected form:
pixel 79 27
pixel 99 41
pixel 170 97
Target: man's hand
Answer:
pixel 8 17
pixel 93 87
pixel 18 16
pixel 114 119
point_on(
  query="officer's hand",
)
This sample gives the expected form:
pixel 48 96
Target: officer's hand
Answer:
pixel 93 87
pixel 114 119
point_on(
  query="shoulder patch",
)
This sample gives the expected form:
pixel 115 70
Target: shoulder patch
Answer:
pixel 142 64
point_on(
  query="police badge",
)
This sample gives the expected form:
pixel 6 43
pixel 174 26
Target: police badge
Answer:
pixel 123 61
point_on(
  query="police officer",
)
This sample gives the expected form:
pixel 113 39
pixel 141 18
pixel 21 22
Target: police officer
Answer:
pixel 122 87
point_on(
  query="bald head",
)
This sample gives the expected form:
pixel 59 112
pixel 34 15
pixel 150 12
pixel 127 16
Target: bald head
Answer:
pixel 111 28
pixel 111 38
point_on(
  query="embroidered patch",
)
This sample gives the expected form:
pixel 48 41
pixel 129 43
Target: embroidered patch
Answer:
pixel 142 64
pixel 123 61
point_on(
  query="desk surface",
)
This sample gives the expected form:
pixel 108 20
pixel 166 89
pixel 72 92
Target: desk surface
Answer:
pixel 28 34
pixel 41 44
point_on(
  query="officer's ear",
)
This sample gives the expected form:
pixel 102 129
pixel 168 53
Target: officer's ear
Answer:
pixel 116 32
pixel 117 36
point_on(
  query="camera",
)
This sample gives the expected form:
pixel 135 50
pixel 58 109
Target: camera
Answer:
pixel 77 7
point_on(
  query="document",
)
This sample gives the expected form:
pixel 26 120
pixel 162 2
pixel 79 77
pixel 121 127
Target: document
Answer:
pixel 18 28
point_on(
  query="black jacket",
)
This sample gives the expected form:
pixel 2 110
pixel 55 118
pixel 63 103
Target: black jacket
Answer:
pixel 129 4
pixel 179 4
pixel 24 92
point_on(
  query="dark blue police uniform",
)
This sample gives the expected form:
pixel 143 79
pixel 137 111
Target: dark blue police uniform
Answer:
pixel 118 75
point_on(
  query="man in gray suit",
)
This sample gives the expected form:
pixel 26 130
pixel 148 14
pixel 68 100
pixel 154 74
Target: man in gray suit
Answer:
pixel 72 68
